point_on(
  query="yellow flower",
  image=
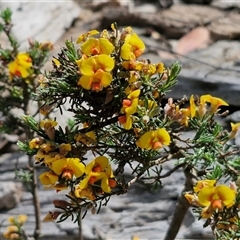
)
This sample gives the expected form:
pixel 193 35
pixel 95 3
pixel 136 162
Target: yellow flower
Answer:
pixel 12 232
pixel 215 102
pixel 91 65
pixel 160 68
pixel 64 148
pixel 20 66
pixel 48 126
pixel 98 169
pixel 130 104
pixel 126 120
pixel 83 37
pixel 203 183
pixel 97 82
pixel 19 220
pixel 48 179
pixel 95 72
pixel 217 197
pixel 84 193
pixel 132 48
pixel 192 199
pixel 48 123
pixel 154 139
pixel 235 127
pixel 68 167
pixel 35 143
pixel 95 46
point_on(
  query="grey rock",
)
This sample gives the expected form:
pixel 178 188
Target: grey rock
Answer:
pixel 37 20
pixel 10 195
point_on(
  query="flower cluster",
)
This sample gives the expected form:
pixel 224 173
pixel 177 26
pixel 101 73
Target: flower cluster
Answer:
pixel 14 230
pixel 65 168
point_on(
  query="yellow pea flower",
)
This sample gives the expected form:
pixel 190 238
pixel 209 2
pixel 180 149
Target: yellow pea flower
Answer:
pixel 98 169
pixel 68 167
pixel 154 139
pixel 92 64
pixel 83 37
pixel 130 104
pixel 20 66
pixel 217 197
pixel 132 48
pixel 95 46
pixel 214 101
pixel 235 127
pixel 97 82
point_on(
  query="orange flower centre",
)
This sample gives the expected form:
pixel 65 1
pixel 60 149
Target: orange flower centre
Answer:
pixel 95 51
pixel 156 145
pixel 126 103
pixel 92 180
pixel 68 174
pixel 217 204
pixel 96 85
pixel 17 73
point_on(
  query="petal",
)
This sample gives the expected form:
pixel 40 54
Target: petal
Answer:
pixel 133 108
pixel 104 62
pixel 88 66
pixel 226 194
pixel 48 178
pixel 102 162
pixel 163 136
pixel 77 166
pixel 89 167
pixel 126 50
pixel 105 46
pixel 88 46
pixel 129 121
pixel 59 165
pixel 145 140
pixel 85 82
pixel 104 185
pixel 134 94
pixel 205 194
pixel 105 78
pixel 84 183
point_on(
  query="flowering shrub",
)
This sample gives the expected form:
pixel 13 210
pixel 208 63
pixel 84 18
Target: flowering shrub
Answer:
pixel 117 99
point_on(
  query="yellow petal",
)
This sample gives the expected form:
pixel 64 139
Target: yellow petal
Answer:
pixel 85 82
pixel 204 195
pixel 226 194
pixel 163 136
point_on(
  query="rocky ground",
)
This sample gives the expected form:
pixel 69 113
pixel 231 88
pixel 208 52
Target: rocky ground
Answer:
pixel 204 38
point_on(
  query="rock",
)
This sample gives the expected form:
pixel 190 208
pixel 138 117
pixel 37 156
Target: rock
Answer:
pixel 167 21
pixel 225 27
pixel 196 39
pixel 223 4
pixel 43 22
pixel 10 195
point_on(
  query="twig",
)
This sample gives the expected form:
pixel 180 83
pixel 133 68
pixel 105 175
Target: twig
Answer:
pixel 36 202
pixel 181 208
